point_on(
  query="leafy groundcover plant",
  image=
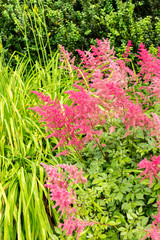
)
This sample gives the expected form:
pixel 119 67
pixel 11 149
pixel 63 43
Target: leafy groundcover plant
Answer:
pixel 109 125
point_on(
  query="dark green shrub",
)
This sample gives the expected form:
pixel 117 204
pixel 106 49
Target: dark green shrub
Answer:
pixel 43 24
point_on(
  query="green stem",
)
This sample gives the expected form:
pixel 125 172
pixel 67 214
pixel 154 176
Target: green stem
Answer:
pixel 80 157
pixel 132 143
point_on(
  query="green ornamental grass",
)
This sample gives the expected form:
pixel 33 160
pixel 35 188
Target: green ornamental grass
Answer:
pixel 25 211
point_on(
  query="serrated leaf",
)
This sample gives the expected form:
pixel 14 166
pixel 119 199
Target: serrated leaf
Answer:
pixel 145 182
pixel 119 196
pixel 139 203
pixel 123 233
pixel 157 186
pixel 112 223
pixel 129 216
pixel 140 209
pixel 139 133
pixel 102 236
pixel 122 229
pixel 144 221
pixel 151 200
pixel 58 230
pixel 139 196
pixel 87 32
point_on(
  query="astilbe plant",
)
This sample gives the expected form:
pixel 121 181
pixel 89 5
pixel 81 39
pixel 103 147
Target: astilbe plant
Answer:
pixel 151 168
pixel 150 70
pixel 107 78
pixel 64 196
pixel 154 231
pixel 68 123
pixel 101 93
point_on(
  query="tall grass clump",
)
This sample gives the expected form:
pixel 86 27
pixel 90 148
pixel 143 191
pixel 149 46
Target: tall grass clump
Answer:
pixel 25 211
pixel 108 127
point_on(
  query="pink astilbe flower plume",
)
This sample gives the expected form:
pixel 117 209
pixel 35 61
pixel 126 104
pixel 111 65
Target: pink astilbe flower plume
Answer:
pixel 153 233
pixel 102 95
pixel 101 58
pixel 108 80
pixel 127 52
pixel 155 128
pixel 58 186
pixel 151 168
pixel 72 223
pixel 64 196
pixel 150 70
pixel 68 123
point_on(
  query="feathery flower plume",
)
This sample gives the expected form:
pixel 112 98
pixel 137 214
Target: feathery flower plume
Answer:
pixel 64 196
pixel 151 168
pixel 153 233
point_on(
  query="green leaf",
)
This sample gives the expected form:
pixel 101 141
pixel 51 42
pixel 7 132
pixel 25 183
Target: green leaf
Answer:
pixel 144 220
pixel 139 133
pixel 139 196
pixel 139 203
pixel 58 230
pixel 122 229
pixel 157 186
pixel 99 180
pixel 102 236
pixel 145 182
pixel 119 196
pixel 151 200
pixel 123 233
pixel 129 216
pixel 87 32
pixel 112 223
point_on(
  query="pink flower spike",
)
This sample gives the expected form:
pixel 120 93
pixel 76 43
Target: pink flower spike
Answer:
pixel 103 145
pixel 151 168
pixel 112 129
pixel 127 52
pixel 154 233
pixel 72 224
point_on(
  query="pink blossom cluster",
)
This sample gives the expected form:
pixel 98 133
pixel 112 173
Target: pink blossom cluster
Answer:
pixel 64 196
pixel 71 224
pixel 151 168
pixel 103 60
pixel 128 51
pixel 108 78
pixel 154 231
pixel 100 94
pixel 156 128
pixel 150 70
pixel 69 123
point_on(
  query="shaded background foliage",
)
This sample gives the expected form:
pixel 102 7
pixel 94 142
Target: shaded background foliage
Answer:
pixel 77 23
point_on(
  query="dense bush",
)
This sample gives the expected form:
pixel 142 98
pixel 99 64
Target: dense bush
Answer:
pixel 76 24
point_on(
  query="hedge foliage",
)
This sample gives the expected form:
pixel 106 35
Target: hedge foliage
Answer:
pixel 28 25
